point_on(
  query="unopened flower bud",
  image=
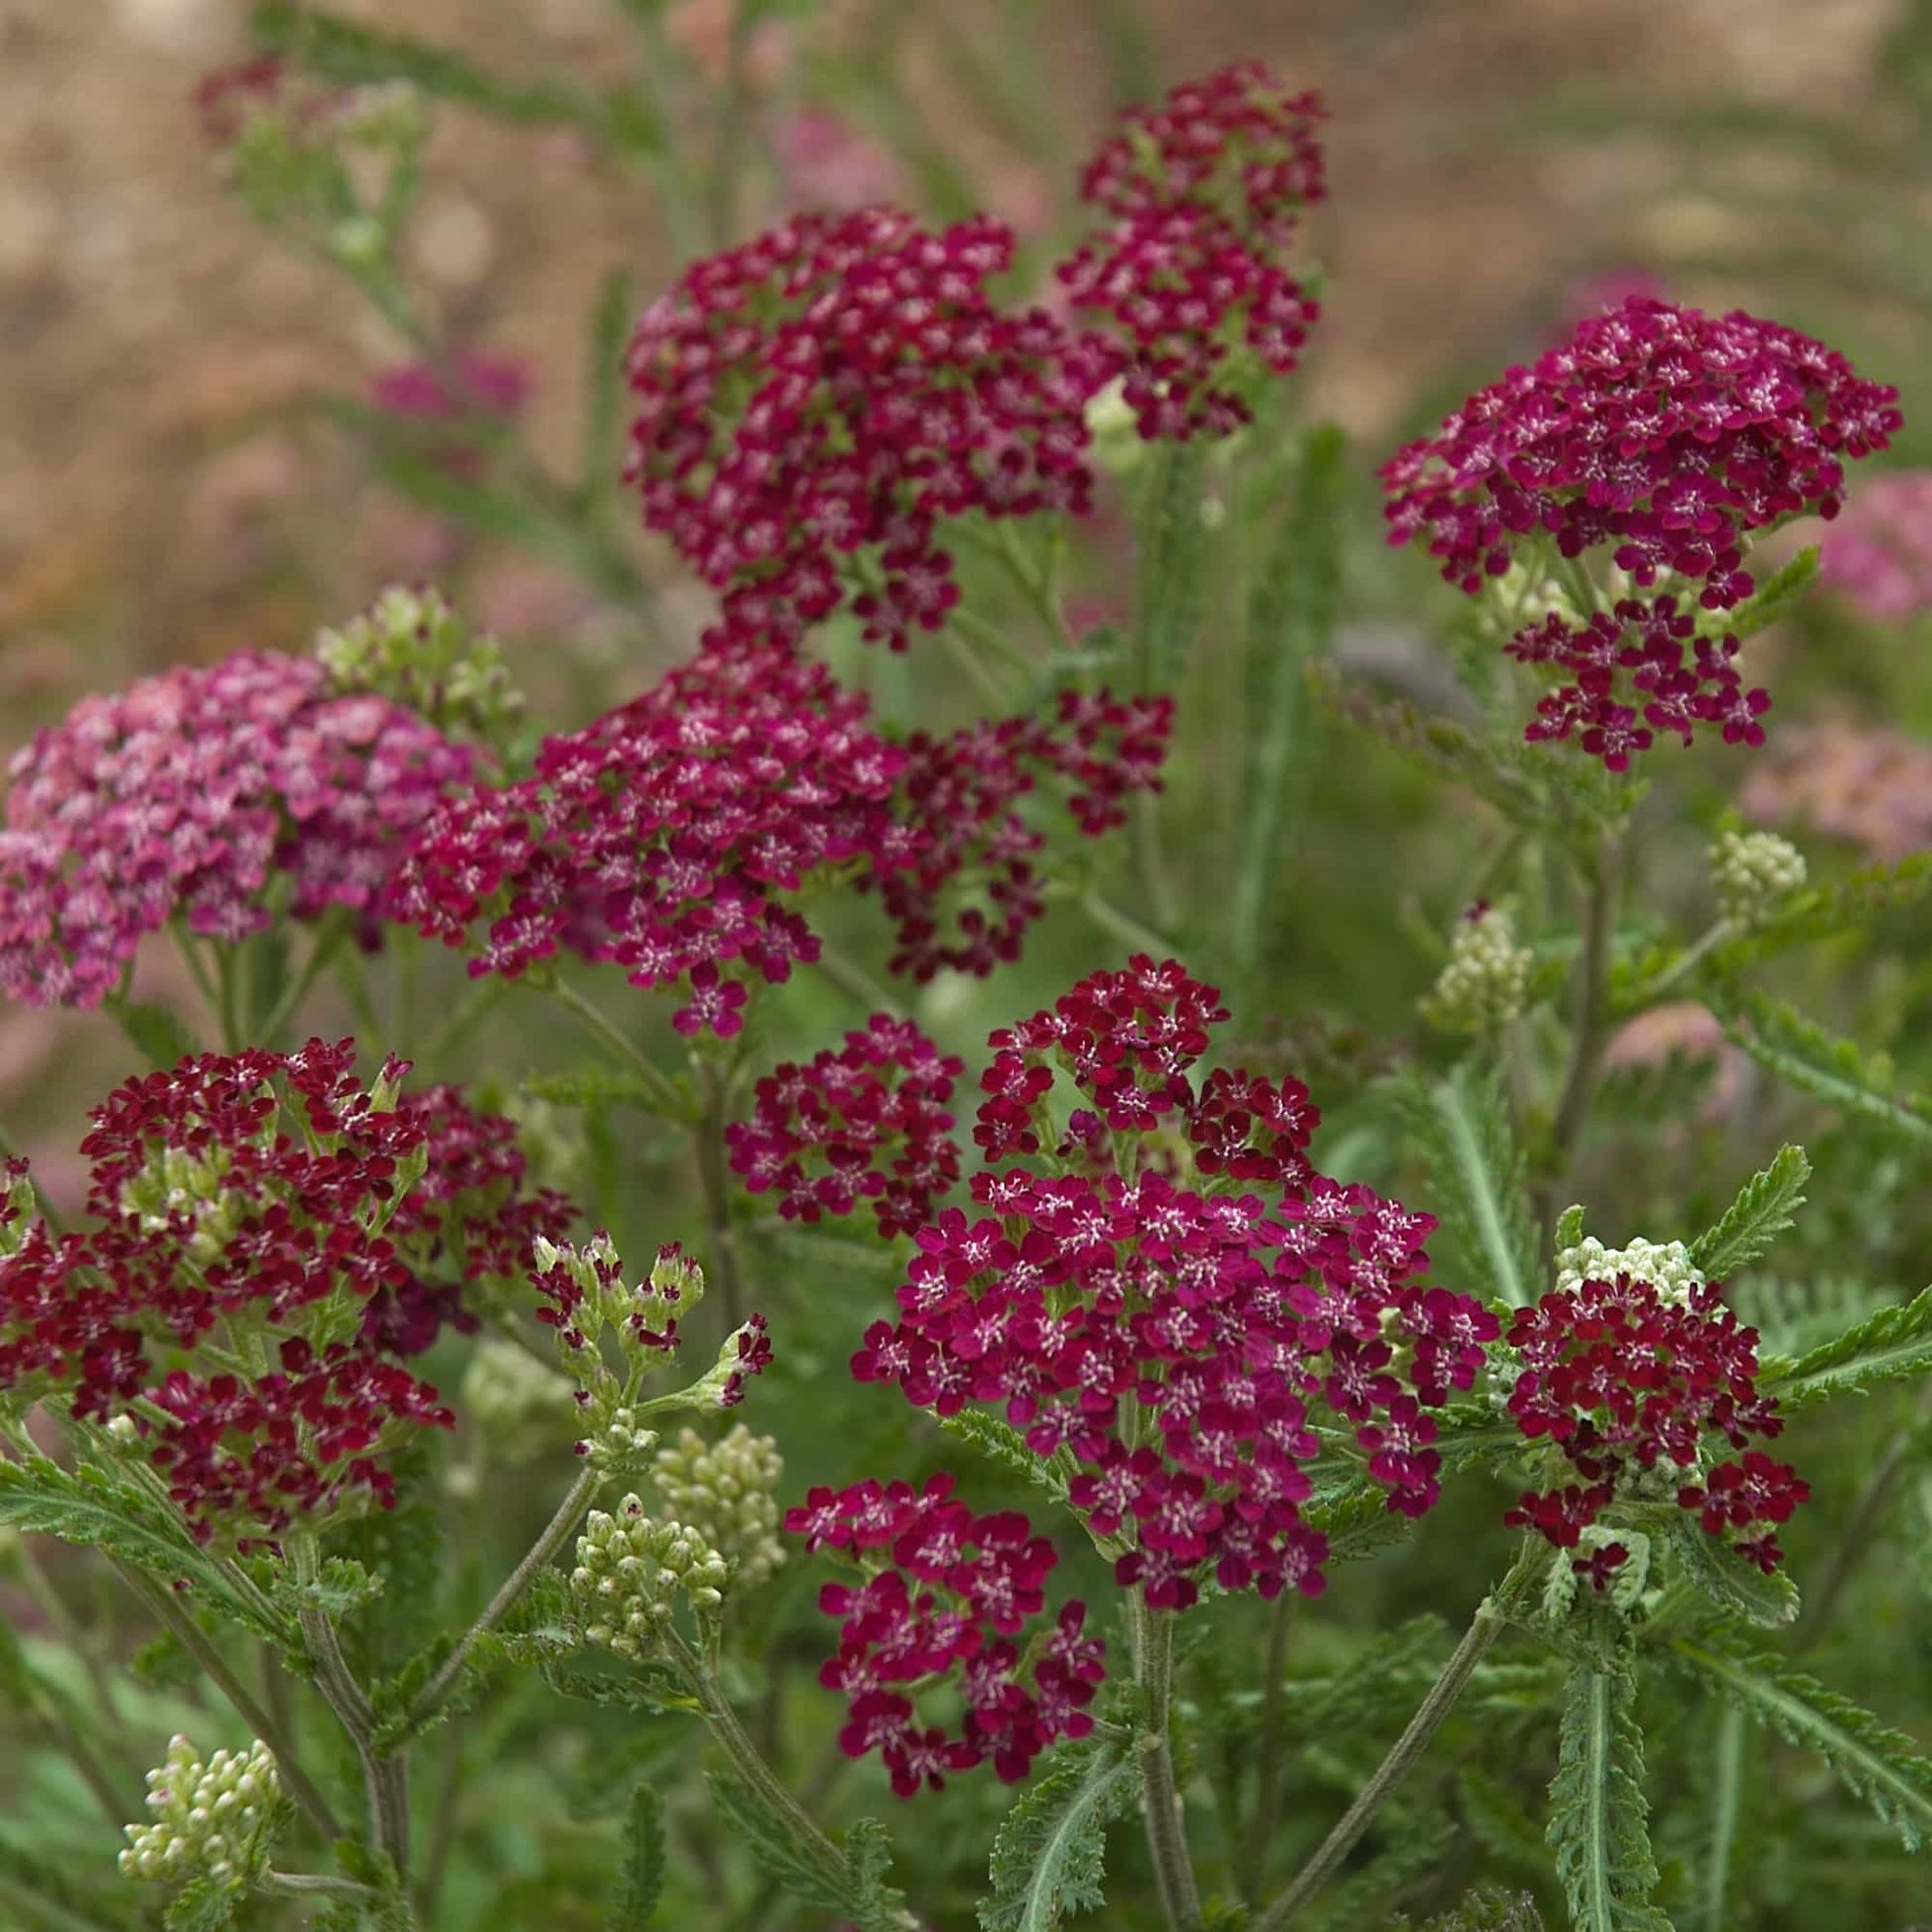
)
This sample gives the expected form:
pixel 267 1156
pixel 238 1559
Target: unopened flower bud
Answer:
pixel 726 1492
pixel 411 646
pixel 212 1819
pixel 1754 872
pixel 630 1571
pixel 1487 982
pixel 1665 1265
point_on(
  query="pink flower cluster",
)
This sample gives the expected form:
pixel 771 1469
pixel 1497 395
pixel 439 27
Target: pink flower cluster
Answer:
pixel 962 792
pixel 946 1595
pixel 1177 1339
pixel 1878 555
pixel 666 835
pixel 812 406
pixel 1661 432
pixel 477 385
pixel 187 795
pixel 256 1195
pixel 866 1123
pixel 1623 1382
pixel 1649 641
pixel 1204 194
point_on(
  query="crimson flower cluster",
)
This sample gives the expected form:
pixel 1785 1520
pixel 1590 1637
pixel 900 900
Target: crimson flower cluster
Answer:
pixel 189 793
pixel 1624 1382
pixel 868 1123
pixel 812 406
pixel 1666 433
pixel 1649 641
pixel 265 1201
pixel 1176 1339
pixel 963 789
pixel 1204 194
pixel 946 1595
pixel 666 835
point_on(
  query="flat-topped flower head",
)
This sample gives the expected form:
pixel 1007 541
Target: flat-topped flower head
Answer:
pixel 1664 435
pixel 269 1204
pixel 949 1597
pixel 867 1123
pixel 812 409
pixel 1164 1290
pixel 197 794
pixel 211 1818
pixel 1204 194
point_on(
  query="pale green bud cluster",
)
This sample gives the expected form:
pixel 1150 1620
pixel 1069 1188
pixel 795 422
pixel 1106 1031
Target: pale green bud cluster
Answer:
pixel 1665 1265
pixel 630 1571
pixel 617 1441
pixel 520 1405
pixel 1754 872
pixel 1487 982
pixel 1117 442
pixel 410 645
pixel 177 1184
pixel 388 116
pixel 210 1819
pixel 728 1492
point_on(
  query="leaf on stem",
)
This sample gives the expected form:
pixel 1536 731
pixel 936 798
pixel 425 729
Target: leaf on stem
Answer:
pixel 1891 1344
pixel 157 1033
pixel 1050 1857
pixel 1753 1222
pixel 1003 1444
pixel 642 1882
pixel 1172 597
pixel 851 1883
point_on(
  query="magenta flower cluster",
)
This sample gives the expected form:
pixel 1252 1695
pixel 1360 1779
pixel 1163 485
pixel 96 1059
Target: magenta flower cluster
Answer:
pixel 191 794
pixel 1658 432
pixel 256 1196
pixel 867 1123
pixel 813 406
pixel 945 1593
pixel 1121 1303
pixel 1648 641
pixel 1623 1382
pixel 963 790
pixel 1204 194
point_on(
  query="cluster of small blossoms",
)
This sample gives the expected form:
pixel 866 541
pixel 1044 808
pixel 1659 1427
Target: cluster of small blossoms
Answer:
pixel 1648 640
pixel 1204 194
pixel 1487 982
pixel 666 835
pixel 868 1123
pixel 945 1593
pixel 1872 787
pixel 588 1304
pixel 1665 433
pixel 1754 872
pixel 212 1819
pixel 1624 1377
pixel 412 647
pixel 453 418
pixel 187 795
pixel 229 98
pixel 631 1570
pixel 1665 1265
pixel 517 1406
pixel 1878 555
pixel 813 406
pixel 725 1492
pixel 962 793
pixel 1174 1337
pixel 270 1196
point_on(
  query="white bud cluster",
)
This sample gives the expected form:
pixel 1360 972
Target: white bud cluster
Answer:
pixel 1754 873
pixel 1665 1265
pixel 520 1407
pixel 1487 982
pixel 630 1571
pixel 210 1819
pixel 728 1492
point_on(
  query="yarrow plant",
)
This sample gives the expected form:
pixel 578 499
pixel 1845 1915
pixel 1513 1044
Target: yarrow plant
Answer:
pixel 1067 1436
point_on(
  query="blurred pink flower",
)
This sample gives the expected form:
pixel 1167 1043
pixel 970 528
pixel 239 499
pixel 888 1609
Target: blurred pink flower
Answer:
pixel 494 385
pixel 827 163
pixel 1869 785
pixel 1878 555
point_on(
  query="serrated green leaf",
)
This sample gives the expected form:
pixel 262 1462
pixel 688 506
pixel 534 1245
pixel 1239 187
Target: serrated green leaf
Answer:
pixel 1049 1856
pixel 343 1585
pixel 1414 1843
pixel 1772 600
pixel 1752 1225
pixel 646 1691
pixel 1004 1445
pixel 202 1905
pixel 1732 1582
pixel 1291 621
pixel 868 1849
pixel 591 1086
pixel 1462 1134
pixel 1569 1228
pixel 157 1033
pixel 1355 1517
pixel 1173 597
pixel 642 1882
pixel 1490 1910
pixel 1598 1819
pixel 1875 1764
pixel 814 1872
pixel 1821 912
pixel 1894 1343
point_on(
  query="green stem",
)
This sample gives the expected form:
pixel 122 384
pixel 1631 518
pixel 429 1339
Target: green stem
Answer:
pixel 664 1098
pixel 1685 963
pixel 1156 885
pixel 990 688
pixel 328 942
pixel 1727 1788
pixel 555 1534
pixel 1151 1632
pixel 994 639
pixel 714 1178
pixel 1401 1759
pixel 1273 1747
pixel 191 952
pixel 1125 927
pixel 1590 1026
pixel 160 1603
pixel 314 1885
pixel 850 977
pixel 482 994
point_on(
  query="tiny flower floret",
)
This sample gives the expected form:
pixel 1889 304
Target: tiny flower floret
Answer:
pixel 1665 1265
pixel 212 1819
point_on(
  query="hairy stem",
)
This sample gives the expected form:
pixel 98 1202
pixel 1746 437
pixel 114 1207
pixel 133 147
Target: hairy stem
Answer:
pixel 1273 1747
pixel 664 1098
pixel 1167 1834
pixel 314 1885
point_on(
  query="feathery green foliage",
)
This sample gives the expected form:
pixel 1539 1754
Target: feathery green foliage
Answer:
pixel 1729 1580
pixel 1762 1211
pixel 1599 1820
pixel 1050 1857
pixel 851 1883
pixel 641 1883
pixel 1894 1342
pixel 1001 1443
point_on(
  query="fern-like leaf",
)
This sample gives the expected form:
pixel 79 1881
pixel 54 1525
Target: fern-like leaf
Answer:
pixel 1875 1764
pixel 1599 1820
pixel 635 1904
pixel 1004 1445
pixel 1893 1343
pixel 1049 1856
pixel 1753 1222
